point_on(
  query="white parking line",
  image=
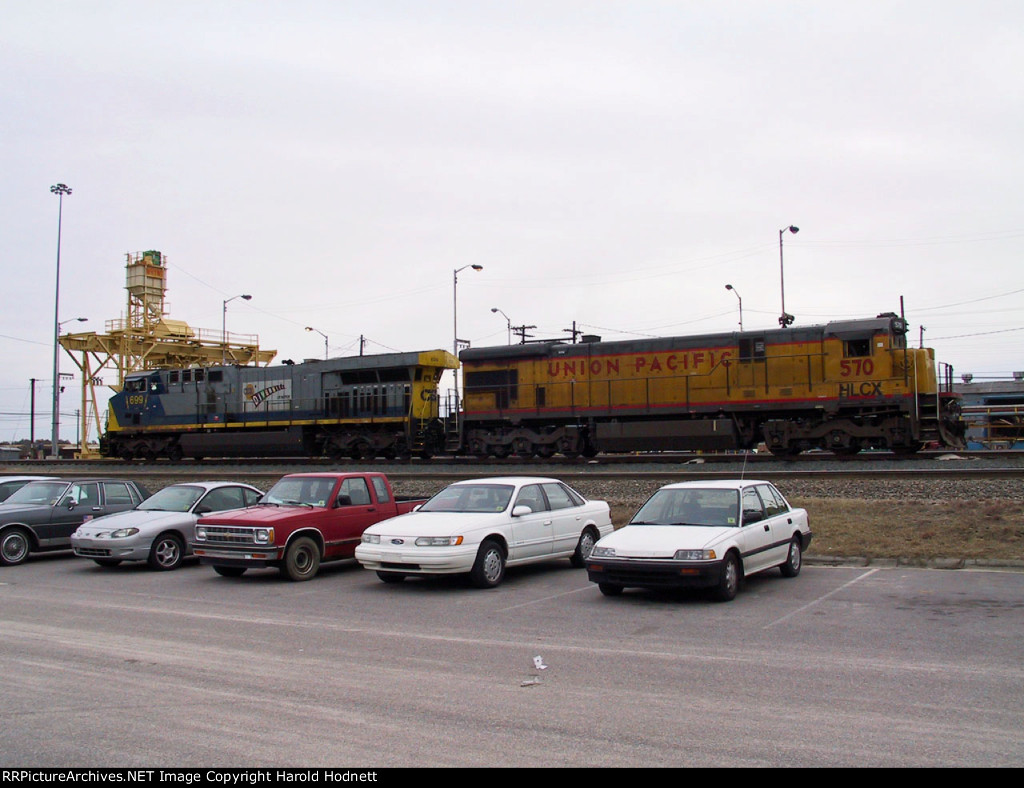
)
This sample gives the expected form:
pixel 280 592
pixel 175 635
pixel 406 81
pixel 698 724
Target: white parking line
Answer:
pixel 821 598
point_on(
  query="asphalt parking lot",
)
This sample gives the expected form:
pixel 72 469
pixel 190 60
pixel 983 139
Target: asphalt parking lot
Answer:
pixel 842 666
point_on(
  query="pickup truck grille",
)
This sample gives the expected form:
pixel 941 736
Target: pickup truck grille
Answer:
pixel 228 535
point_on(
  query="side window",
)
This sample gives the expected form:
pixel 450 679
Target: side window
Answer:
pixel 222 499
pixel 774 503
pixel 532 496
pixel 558 497
pixel 856 348
pixel 117 493
pixel 752 507
pixel 381 489
pixel 357 491
pixel 84 494
pixel 250 496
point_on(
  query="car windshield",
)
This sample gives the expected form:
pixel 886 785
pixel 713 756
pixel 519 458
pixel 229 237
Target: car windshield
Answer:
pixel 307 491
pixel 177 498
pixel 690 506
pixel 471 498
pixel 39 492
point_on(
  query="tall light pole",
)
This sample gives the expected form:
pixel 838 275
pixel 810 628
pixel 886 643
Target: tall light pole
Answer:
pixel 509 322
pixel 224 327
pixel 60 190
pixel 785 319
pixel 737 292
pixel 321 333
pixel 455 316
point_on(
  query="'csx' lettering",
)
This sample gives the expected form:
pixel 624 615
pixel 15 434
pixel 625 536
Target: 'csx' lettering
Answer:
pixel 869 388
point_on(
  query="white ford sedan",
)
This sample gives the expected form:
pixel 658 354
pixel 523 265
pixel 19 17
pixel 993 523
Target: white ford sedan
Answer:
pixel 482 526
pixel 704 535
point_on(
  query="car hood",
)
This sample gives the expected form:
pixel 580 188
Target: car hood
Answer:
pixel 136 518
pixel 266 514
pixel 437 523
pixel 10 512
pixel 653 541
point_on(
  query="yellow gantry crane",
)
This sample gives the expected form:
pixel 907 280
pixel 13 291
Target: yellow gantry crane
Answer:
pixel 148 339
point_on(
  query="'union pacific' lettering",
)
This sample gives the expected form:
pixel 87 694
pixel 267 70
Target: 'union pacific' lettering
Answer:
pixel 646 364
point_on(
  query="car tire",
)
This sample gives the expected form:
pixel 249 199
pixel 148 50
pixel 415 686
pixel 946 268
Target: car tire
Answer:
pixel 391 577
pixel 107 561
pixel 15 545
pixel 489 568
pixel 229 571
pixel 584 548
pixel 301 560
pixel 729 582
pixel 166 552
pixel 794 558
pixel 610 589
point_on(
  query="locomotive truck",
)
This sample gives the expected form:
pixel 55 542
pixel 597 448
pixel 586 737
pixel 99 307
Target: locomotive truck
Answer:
pixel 841 386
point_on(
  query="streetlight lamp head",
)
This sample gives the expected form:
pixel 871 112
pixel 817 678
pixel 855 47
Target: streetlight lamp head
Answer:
pixel 60 189
pixel 494 309
pixel 247 298
pixel 309 328
pixel 728 287
pixel 794 229
pixel 477 267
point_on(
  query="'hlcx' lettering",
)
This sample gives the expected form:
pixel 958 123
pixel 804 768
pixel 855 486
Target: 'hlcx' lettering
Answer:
pixel 869 388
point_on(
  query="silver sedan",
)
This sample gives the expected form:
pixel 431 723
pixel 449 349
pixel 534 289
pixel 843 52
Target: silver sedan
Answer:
pixel 160 528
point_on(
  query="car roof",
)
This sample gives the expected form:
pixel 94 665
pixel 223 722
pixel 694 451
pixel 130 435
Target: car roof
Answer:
pixel 718 484
pixel 26 478
pixel 509 480
pixel 210 485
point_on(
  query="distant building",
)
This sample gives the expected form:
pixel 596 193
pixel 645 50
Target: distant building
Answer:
pixel 994 412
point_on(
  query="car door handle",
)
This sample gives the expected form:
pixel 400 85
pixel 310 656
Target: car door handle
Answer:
pixel 767 527
pixel 547 522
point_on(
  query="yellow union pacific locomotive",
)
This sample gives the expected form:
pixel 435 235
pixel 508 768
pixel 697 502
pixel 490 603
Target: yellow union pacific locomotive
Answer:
pixel 842 386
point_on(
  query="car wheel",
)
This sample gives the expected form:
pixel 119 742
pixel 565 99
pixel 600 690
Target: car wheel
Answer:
pixel 229 571
pixel 166 552
pixel 391 577
pixel 302 561
pixel 610 589
pixel 107 561
pixel 15 545
pixel 489 569
pixel 794 559
pixel 584 548
pixel 729 582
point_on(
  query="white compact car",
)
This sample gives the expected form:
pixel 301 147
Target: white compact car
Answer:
pixel 705 535
pixel 160 528
pixel 480 527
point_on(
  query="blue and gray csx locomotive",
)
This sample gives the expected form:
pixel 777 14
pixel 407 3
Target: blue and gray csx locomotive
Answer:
pixel 842 386
pixel 366 406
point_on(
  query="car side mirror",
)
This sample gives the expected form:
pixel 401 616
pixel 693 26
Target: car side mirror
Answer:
pixel 343 500
pixel 68 502
pixel 752 517
pixel 521 509
pixel 201 510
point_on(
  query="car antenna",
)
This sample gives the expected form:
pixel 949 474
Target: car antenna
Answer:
pixel 743 470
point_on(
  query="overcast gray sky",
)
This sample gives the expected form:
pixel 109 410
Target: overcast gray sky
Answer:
pixel 610 163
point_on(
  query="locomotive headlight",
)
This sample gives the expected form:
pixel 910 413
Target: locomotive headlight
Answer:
pixel 695 555
pixel 371 538
pixel 121 533
pixel 263 536
pixel 438 541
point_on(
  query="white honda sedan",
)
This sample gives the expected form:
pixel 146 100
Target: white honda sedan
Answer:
pixel 703 535
pixel 482 526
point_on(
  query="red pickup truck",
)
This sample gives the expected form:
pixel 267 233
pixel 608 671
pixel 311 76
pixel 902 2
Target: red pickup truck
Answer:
pixel 306 518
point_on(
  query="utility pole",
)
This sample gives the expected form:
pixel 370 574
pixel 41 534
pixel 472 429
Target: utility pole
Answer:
pixel 574 331
pixel 521 331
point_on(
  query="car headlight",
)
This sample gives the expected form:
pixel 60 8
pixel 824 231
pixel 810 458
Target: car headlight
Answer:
pixel 263 536
pixel 695 555
pixel 438 541
pixel 121 533
pixel 602 552
pixel 371 538
pixel 200 533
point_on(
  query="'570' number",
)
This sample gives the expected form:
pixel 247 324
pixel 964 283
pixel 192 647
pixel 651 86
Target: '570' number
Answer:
pixel 856 366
